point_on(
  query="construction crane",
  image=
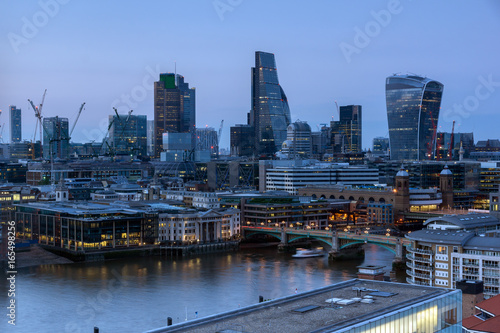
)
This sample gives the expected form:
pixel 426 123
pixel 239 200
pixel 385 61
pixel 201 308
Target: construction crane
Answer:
pixel 76 120
pixel 38 115
pixel 219 135
pixel 450 147
pixel 338 111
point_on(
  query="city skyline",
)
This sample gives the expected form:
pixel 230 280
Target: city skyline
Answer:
pixel 340 52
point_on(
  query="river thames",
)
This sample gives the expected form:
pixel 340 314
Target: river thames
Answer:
pixel 138 294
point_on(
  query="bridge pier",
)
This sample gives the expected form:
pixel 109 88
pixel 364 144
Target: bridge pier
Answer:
pixel 399 263
pixel 283 245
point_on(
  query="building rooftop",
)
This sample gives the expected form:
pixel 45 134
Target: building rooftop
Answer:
pixel 441 236
pixel 467 222
pixel 477 323
pixel 314 311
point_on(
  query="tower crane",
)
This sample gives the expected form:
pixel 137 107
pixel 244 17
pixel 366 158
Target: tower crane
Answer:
pixel 219 135
pixel 38 115
pixel 76 120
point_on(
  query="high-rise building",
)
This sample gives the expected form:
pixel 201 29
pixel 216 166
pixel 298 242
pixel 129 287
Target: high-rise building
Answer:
pixel 174 108
pixel 55 137
pixel 346 132
pixel 15 124
pixel 207 141
pixel 242 140
pixel 151 137
pixel 270 114
pixel 298 141
pixel 380 146
pixel 413 104
pixel 128 134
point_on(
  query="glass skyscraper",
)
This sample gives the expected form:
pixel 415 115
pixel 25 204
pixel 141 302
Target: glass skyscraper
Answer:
pixel 174 108
pixel 270 114
pixel 128 134
pixel 55 137
pixel 413 104
pixel 15 124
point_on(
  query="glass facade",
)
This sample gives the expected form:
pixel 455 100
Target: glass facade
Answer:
pixel 128 134
pixel 55 137
pixel 413 104
pixel 439 314
pixel 15 124
pixel 174 108
pixel 270 114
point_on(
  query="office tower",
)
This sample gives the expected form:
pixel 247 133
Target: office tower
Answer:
pixel 413 104
pixel 55 137
pixel 150 137
pixel 380 146
pixel 128 134
pixel 298 140
pixel 15 124
pixel 174 108
pixel 242 140
pixel 270 114
pixel 207 141
pixel 346 132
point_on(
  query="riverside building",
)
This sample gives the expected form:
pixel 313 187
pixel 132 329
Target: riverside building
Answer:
pixel 454 248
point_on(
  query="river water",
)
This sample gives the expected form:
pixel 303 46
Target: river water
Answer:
pixel 138 294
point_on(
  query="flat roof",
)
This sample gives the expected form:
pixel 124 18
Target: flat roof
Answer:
pixel 310 311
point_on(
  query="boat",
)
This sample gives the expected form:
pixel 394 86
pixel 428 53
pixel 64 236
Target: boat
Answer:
pixel 308 253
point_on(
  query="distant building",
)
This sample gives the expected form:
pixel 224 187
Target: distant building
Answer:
pixel 445 141
pixel 150 136
pixel 15 124
pixel 174 108
pixel 270 114
pixel 207 141
pixel 128 134
pixel 291 178
pixel 346 133
pixel 55 138
pixel 242 140
pixel 413 105
pixel 183 226
pixel 380 146
pixel 298 141
pixel 177 147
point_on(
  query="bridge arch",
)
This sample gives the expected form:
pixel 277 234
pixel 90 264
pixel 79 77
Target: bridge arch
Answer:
pixel 341 197
pixel 351 198
pixel 314 196
pixel 392 250
pixel 293 239
pixel 322 197
pixel 361 199
pixel 381 200
pixel 371 200
pixel 332 197
pixel 259 232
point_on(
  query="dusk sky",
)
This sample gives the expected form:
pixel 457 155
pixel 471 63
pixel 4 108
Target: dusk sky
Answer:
pixel 108 53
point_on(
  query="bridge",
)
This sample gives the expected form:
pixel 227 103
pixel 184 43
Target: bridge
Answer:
pixel 334 239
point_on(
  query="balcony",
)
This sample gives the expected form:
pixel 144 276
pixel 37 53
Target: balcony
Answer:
pixel 419 267
pixel 491 266
pixel 420 251
pixel 419 259
pixel 419 275
pixel 420 283
pixel 470 265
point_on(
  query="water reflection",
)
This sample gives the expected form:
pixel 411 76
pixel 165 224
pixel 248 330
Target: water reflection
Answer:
pixel 138 294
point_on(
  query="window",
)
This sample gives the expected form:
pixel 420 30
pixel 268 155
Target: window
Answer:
pixel 442 249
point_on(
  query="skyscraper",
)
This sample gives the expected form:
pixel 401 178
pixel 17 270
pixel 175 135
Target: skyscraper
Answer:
pixel 346 132
pixel 270 114
pixel 413 104
pixel 128 134
pixel 15 124
pixel 55 137
pixel 174 108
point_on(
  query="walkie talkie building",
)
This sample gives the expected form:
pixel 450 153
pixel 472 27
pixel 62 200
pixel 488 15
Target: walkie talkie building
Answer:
pixel 413 104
